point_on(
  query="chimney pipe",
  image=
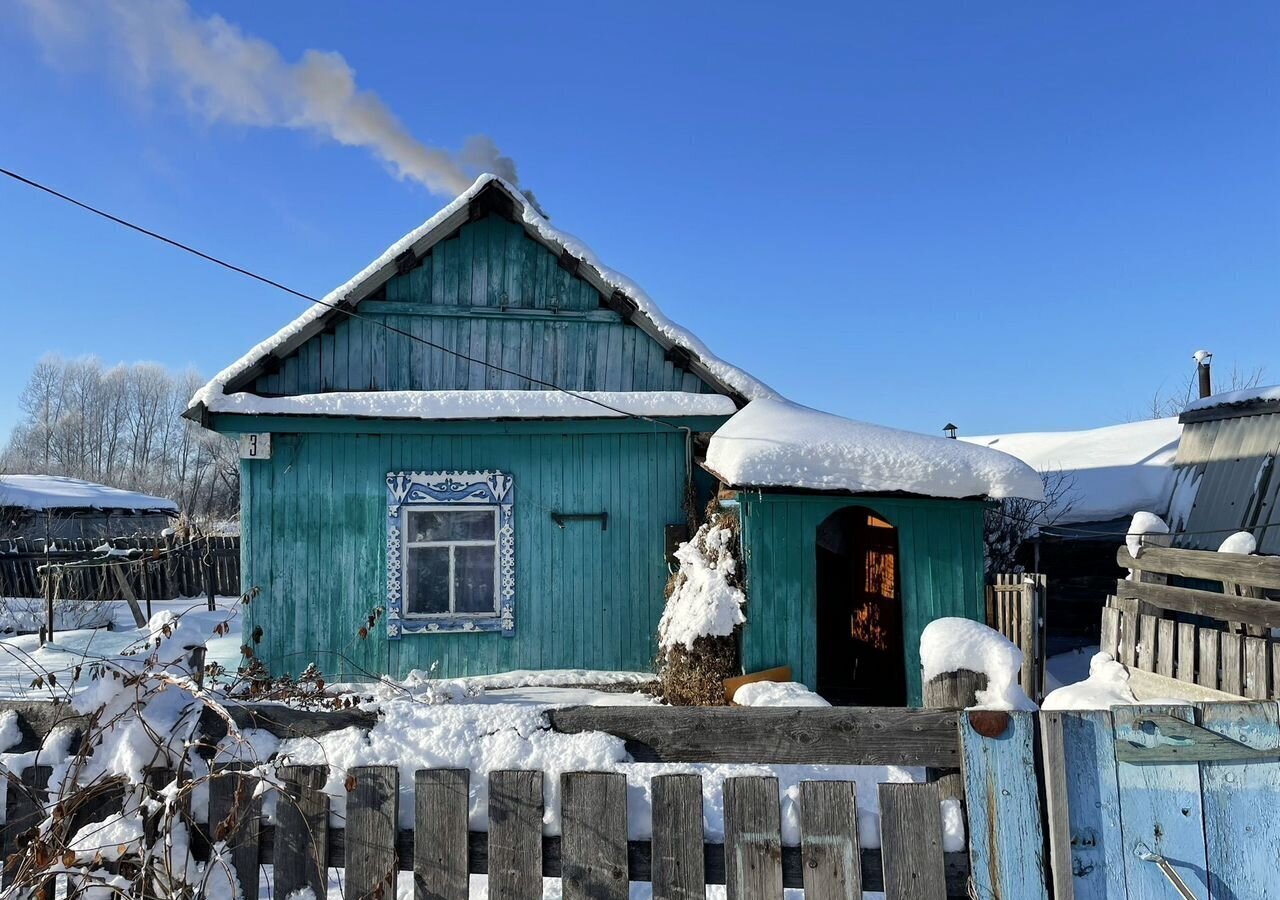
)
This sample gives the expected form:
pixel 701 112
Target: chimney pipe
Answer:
pixel 1203 358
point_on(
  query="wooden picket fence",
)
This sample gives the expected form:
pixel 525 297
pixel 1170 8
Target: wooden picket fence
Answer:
pixel 1017 608
pixel 1181 641
pixel 162 568
pixel 985 760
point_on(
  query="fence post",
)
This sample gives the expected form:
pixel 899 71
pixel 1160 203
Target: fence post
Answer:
pixel 952 690
pixel 207 562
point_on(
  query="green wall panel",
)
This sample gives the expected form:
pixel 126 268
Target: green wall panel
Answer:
pixel 492 293
pixel 940 563
pixel 314 541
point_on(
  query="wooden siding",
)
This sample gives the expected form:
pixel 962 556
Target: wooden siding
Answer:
pixel 940 563
pixel 314 540
pixel 493 293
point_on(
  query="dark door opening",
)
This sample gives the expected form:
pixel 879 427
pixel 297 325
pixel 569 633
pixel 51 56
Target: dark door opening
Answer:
pixel 860 640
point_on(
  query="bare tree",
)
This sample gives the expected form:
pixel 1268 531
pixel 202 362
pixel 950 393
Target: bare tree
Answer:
pixel 1015 520
pixel 1173 402
pixel 123 426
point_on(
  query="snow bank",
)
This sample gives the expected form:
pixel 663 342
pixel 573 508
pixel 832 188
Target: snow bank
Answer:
pixel 1241 542
pixel 1113 471
pixel 42 492
pixel 479 404
pixel 951 644
pixel 485 738
pixel 730 375
pixel 774 443
pixel 1143 523
pixel 776 693
pixel 1106 686
pixel 1229 398
pixel 704 602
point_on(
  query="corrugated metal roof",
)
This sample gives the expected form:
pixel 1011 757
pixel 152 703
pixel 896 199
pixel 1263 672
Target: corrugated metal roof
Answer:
pixel 1234 461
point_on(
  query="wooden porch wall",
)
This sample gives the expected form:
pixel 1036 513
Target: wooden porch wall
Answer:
pixel 940 555
pixel 491 293
pixel 314 539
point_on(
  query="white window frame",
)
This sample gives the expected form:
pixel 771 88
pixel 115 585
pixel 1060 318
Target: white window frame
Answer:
pixel 409 580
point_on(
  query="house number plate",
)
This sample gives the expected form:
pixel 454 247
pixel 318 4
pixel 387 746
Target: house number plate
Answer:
pixel 255 446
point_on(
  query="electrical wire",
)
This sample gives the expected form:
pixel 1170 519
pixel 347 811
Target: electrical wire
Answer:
pixel 351 313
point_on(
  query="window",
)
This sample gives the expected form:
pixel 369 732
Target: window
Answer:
pixel 450 553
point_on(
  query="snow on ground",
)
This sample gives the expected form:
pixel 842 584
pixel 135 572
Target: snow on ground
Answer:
pixel 774 443
pixel 61 492
pixel 951 644
pixel 1114 471
pixel 479 404
pixel 22 658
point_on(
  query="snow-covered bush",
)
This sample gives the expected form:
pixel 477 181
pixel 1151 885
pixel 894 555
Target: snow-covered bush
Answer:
pixel 697 635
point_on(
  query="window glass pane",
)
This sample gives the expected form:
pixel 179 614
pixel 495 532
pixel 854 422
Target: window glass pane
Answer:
pixel 473 580
pixel 427 580
pixel 450 525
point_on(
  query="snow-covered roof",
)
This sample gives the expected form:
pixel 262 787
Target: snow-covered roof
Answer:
pixel 488 404
pixel 775 443
pixel 648 315
pixel 1244 397
pixel 1113 471
pixel 41 492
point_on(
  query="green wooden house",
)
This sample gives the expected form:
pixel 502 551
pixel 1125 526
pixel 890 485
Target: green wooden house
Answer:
pixel 476 454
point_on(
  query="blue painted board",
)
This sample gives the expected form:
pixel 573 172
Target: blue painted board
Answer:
pixel 1002 800
pixel 1242 804
pixel 1093 805
pixel 1160 811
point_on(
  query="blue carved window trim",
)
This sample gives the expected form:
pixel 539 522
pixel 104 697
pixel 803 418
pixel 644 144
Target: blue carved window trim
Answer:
pixel 409 490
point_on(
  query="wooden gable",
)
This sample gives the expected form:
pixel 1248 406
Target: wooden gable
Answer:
pixel 488 292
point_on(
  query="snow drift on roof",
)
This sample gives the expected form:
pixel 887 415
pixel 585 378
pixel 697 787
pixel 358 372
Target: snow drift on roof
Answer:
pixel 490 404
pixel 729 375
pixel 774 443
pixel 1230 398
pixel 60 492
pixel 1113 471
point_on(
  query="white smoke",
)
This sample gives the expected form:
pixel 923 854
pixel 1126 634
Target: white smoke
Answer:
pixel 226 75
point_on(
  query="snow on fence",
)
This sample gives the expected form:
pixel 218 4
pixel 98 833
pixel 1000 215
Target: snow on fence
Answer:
pixel 1016 606
pixel 1168 657
pixel 162 568
pixel 593 855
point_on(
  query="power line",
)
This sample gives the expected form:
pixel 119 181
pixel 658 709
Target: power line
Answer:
pixel 351 313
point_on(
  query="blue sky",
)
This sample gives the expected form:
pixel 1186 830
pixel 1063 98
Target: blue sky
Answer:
pixel 1012 216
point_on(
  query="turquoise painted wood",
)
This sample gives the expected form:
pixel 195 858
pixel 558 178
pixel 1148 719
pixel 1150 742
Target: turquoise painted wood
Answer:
pixel 1002 801
pixel 314 520
pixel 1160 811
pixel 1242 803
pixel 1093 805
pixel 493 293
pixel 940 559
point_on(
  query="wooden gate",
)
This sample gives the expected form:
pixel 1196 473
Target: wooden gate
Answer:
pixel 1016 609
pixel 1164 802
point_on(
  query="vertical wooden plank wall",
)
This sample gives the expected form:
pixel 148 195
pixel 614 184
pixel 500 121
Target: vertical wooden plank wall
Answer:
pixel 494 293
pixel 316 542
pixel 940 563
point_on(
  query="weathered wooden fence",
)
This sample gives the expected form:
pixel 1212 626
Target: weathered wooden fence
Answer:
pixel 163 568
pixel 1177 639
pixel 1148 803
pixel 1016 607
pixel 594 854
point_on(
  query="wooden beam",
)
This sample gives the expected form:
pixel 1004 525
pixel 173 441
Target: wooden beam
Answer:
pixel 1203 603
pixel 868 736
pixel 1261 571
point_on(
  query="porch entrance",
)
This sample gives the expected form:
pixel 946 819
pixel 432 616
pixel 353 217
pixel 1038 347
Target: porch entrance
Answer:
pixel 859 611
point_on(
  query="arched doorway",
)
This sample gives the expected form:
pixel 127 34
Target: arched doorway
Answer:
pixel 860 635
